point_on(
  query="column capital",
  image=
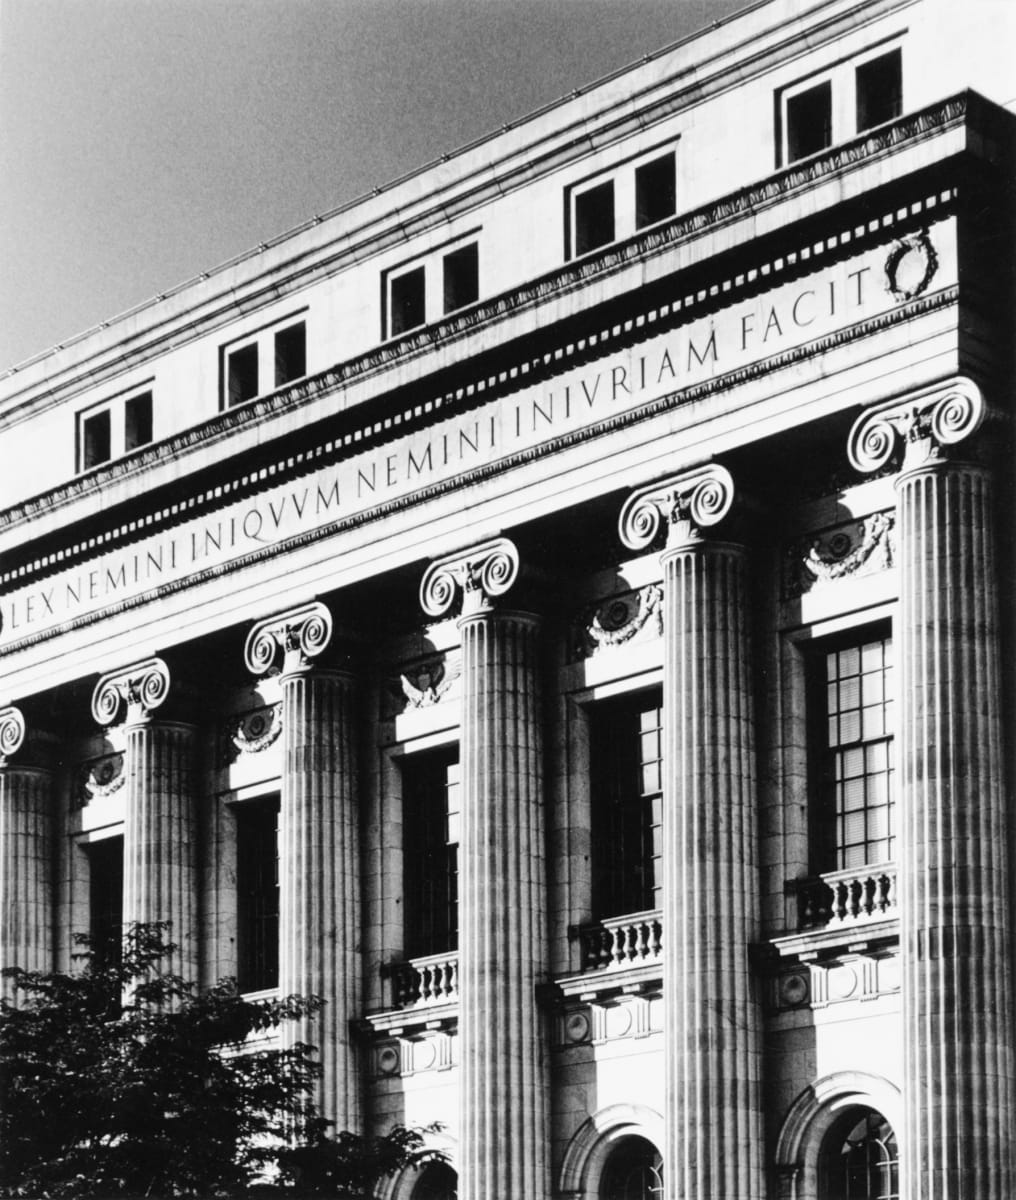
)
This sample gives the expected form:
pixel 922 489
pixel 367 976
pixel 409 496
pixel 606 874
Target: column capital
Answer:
pixel 299 633
pixel 139 688
pixel 474 577
pixel 681 506
pixel 12 732
pixel 924 424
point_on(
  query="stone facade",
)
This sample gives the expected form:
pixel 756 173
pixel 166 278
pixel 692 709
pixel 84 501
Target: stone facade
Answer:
pixel 561 620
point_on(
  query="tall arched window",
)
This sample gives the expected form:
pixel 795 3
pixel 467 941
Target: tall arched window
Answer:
pixel 858 1159
pixel 437 1181
pixel 632 1172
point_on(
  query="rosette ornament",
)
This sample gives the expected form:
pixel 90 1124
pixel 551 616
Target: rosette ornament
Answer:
pixel 139 689
pixel 12 733
pixel 677 508
pixel 300 634
pixel 474 577
pixel 923 425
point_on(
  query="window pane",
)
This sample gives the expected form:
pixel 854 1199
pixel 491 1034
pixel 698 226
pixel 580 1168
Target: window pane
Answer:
pixel 594 218
pixel 242 375
pixel 809 121
pixel 430 821
pixel 461 277
pixel 290 354
pixel 257 885
pixel 655 191
pixel 879 90
pixel 95 438
pixel 138 421
pixel 408 309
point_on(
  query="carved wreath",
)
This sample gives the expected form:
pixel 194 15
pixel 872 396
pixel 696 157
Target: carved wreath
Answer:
pixel 618 620
pixel 258 730
pixel 840 557
pixel 100 778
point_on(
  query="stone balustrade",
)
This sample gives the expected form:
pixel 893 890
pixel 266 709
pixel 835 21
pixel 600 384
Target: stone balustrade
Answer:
pixel 619 942
pixel 433 979
pixel 845 897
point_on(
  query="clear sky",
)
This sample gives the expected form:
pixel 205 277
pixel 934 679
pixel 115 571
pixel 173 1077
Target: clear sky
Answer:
pixel 145 141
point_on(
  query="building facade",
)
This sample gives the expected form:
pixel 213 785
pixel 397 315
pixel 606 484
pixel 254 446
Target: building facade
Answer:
pixel 556 609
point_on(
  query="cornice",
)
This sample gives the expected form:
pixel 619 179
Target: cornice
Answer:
pixel 927 304
pixel 909 130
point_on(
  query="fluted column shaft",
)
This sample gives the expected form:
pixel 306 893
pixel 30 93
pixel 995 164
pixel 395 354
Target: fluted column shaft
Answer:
pixel 26 895
pixel 713 1048
pixel 319 869
pixel 160 835
pixel 957 990
pixel 502 940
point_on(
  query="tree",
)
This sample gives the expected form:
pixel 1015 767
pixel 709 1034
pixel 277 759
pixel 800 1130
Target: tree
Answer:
pixel 122 1080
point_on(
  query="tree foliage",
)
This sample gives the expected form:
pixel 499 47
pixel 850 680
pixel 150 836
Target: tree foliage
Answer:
pixel 123 1080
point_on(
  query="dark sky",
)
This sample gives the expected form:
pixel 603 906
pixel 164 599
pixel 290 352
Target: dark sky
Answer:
pixel 144 141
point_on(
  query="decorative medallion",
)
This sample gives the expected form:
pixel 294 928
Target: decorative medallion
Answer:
pixel 256 731
pixel 619 619
pixel 858 548
pixel 911 266
pixel 427 684
pixel 99 777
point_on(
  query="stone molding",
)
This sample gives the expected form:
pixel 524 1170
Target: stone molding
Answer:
pixel 923 426
pixel 138 689
pixel 679 507
pixel 12 733
pixel 299 633
pixel 473 579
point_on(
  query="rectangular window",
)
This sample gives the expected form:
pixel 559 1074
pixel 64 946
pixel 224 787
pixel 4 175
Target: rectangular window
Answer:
pixel 257 884
pixel 857 818
pixel 408 301
pixel 430 822
pixel 242 374
pixel 290 354
pixel 137 421
pixel 655 191
pixel 879 90
pixel 627 791
pixel 810 121
pixel 461 277
pixel 105 897
pixel 594 217
pixel 96 441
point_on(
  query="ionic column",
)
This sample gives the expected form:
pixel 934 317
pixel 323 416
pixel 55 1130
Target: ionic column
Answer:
pixel 26 844
pixel 502 934
pixel 160 830
pixel 710 886
pixel 958 1088
pixel 319 850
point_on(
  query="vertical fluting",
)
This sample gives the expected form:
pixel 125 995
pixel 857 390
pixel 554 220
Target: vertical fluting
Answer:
pixel 712 1022
pixel 319 935
pixel 26 842
pixel 160 851
pixel 957 1002
pixel 502 940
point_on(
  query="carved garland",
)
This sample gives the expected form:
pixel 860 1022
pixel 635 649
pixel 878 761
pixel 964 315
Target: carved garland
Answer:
pixel 612 623
pixel 839 560
pixel 258 730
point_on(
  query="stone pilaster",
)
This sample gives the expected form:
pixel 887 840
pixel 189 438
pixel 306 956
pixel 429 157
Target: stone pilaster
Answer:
pixel 958 1019
pixel 160 831
pixel 319 850
pixel 26 846
pixel 710 886
pixel 502 936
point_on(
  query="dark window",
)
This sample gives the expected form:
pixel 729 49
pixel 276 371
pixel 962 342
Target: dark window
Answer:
pixel 627 786
pixel 95 440
pixel 857 814
pixel 408 307
pixel 430 822
pixel 437 1181
pixel 634 1171
pixel 105 897
pixel 461 277
pixel 257 883
pixel 242 374
pixel 879 90
pixel 290 354
pixel 809 121
pixel 138 421
pixel 594 217
pixel 655 191
pixel 858 1159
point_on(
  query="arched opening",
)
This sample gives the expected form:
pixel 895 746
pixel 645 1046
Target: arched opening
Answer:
pixel 858 1159
pixel 633 1171
pixel 437 1181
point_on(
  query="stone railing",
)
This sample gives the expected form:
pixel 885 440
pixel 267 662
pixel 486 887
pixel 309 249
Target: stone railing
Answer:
pixel 847 897
pixel 620 942
pixel 430 980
